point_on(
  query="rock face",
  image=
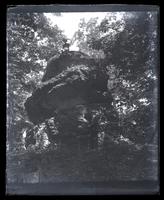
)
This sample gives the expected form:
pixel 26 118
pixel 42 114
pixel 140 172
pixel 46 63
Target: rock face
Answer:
pixel 70 80
pixel 59 63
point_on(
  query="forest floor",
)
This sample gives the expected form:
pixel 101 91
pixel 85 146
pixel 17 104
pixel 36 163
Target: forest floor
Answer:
pixel 121 164
pixel 115 162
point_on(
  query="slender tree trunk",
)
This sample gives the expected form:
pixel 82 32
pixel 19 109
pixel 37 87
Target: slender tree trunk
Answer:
pixel 49 132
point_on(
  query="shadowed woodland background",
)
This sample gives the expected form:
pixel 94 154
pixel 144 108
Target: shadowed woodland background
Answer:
pixel 103 124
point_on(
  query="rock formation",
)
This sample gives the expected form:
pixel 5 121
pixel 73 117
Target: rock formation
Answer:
pixel 70 80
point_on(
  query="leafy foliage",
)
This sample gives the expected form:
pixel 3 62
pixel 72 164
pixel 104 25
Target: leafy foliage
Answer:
pixel 31 41
pixel 129 43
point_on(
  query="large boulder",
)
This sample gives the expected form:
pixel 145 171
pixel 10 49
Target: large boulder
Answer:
pixel 58 63
pixel 74 79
